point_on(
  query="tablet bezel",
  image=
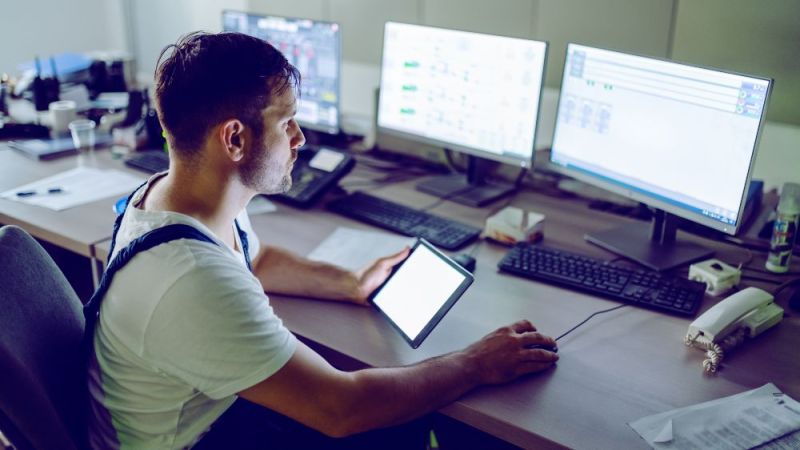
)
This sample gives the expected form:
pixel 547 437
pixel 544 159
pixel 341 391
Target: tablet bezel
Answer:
pixel 440 313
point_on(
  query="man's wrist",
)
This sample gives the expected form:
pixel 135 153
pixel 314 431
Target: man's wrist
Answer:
pixel 469 361
pixel 352 289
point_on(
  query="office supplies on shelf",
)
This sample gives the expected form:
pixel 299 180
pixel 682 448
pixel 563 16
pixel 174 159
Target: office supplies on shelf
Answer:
pixel 314 173
pixel 150 161
pixel 46 149
pixel 645 288
pixel 51 190
pixel 78 186
pixel 62 113
pixel 445 233
pixel 23 131
pixel 745 314
pixel 745 420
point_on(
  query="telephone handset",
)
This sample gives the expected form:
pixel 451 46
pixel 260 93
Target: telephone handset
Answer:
pixel 314 172
pixel 745 314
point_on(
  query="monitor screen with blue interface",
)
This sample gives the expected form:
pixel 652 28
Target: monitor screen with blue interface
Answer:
pixel 314 47
pixel 680 138
pixel 470 92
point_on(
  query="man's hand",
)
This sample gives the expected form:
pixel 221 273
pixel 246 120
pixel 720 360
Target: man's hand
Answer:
pixel 369 278
pixel 504 354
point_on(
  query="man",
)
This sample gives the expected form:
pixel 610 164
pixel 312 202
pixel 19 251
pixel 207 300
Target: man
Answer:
pixel 185 327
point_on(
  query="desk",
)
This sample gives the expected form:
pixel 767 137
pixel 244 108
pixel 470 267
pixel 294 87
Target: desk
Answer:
pixel 618 367
pixel 76 229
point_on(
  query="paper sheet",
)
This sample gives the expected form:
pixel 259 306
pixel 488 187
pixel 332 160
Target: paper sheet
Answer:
pixel 77 186
pixel 743 421
pixel 354 249
pixel 260 205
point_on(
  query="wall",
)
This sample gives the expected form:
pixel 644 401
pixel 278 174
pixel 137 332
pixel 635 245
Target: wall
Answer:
pixel 760 38
pixel 46 27
pixel 157 24
pixel 740 35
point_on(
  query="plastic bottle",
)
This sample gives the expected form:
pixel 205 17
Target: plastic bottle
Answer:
pixel 785 230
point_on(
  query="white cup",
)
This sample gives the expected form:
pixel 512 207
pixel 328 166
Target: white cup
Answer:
pixel 62 113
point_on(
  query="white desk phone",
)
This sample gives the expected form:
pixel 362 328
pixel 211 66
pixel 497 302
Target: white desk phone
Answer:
pixel 744 314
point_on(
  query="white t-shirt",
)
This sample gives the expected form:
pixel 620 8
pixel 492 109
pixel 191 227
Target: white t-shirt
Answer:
pixel 183 328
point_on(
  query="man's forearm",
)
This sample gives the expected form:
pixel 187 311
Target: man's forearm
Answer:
pixel 282 272
pixel 395 395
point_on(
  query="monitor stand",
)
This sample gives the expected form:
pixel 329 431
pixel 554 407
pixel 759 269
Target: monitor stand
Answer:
pixel 655 248
pixel 474 189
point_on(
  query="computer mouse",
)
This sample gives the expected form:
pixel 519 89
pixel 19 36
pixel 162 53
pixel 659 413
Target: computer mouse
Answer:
pixel 466 261
pixel 544 347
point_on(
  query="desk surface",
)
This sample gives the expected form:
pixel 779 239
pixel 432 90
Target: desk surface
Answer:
pixel 75 229
pixel 616 368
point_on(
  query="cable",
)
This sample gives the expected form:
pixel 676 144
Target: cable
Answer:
pixel 465 190
pixel 748 260
pixel 759 279
pixel 448 154
pixel 589 318
pixel 475 247
pixel 785 285
pixel 715 351
pixel 381 181
pixel 767 272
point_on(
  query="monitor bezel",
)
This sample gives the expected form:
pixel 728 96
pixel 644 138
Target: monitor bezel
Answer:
pixel 524 163
pixel 303 124
pixel 650 200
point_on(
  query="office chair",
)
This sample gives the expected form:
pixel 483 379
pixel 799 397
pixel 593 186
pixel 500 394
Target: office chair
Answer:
pixel 41 326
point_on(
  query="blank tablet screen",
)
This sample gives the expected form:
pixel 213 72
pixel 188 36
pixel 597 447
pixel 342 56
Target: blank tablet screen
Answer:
pixel 420 291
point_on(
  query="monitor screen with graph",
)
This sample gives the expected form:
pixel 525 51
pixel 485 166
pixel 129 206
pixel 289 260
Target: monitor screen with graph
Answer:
pixel 314 48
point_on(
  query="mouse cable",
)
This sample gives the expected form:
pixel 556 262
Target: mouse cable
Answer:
pixel 785 285
pixel 588 318
pixel 760 279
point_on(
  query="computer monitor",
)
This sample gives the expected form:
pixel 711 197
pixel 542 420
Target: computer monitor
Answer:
pixel 314 47
pixel 469 92
pixel 679 138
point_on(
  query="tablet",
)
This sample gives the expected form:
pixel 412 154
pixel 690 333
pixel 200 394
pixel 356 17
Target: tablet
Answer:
pixel 420 291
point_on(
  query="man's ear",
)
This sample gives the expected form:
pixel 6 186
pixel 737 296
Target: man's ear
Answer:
pixel 231 133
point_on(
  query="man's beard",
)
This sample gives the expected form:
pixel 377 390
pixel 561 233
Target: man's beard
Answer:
pixel 262 173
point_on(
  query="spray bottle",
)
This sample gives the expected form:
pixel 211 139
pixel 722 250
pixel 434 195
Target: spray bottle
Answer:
pixel 785 230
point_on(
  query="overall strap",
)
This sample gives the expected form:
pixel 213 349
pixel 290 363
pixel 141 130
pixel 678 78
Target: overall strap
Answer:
pixel 118 219
pixel 124 207
pixel 144 242
pixel 245 244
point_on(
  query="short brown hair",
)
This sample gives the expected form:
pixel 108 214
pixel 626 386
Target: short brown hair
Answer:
pixel 208 78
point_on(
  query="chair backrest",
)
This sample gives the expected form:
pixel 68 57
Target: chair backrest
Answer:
pixel 42 393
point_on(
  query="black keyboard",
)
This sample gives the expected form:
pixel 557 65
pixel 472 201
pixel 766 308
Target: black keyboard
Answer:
pixel 644 288
pixel 445 233
pixel 151 161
